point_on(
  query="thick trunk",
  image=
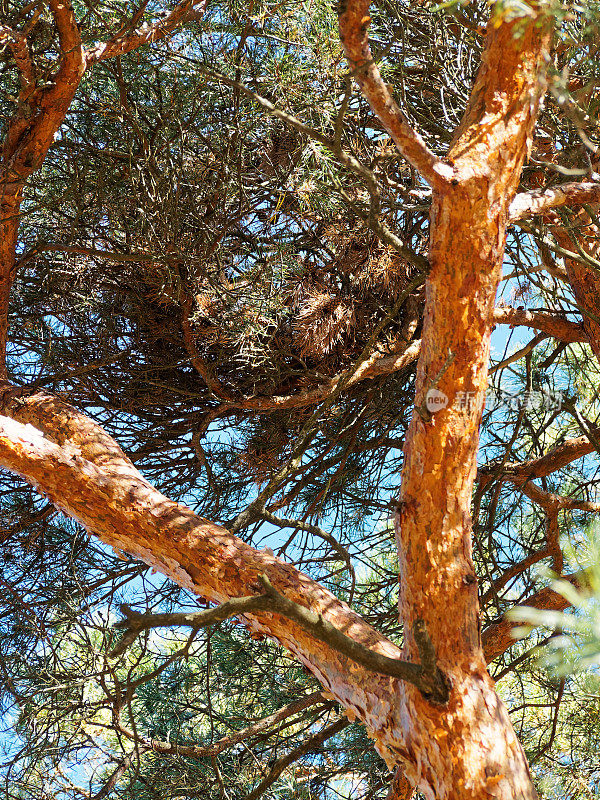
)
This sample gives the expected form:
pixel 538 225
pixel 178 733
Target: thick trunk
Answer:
pixel 468 750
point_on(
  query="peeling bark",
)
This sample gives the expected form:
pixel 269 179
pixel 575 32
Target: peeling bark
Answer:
pixel 74 463
pixel 468 750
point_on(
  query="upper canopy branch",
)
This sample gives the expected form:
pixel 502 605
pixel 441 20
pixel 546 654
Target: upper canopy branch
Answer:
pixel 354 23
pixel 17 43
pixel 131 37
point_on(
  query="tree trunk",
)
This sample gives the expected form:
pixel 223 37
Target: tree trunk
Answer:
pixel 468 750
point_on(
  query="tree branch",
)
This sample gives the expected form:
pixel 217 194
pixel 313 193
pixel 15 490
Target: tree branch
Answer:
pixel 309 744
pixel 557 458
pixel 354 22
pixel 425 676
pixel 539 201
pixel 497 637
pixel 72 461
pixel 552 324
pixel 19 48
pixel 128 40
pixel 259 728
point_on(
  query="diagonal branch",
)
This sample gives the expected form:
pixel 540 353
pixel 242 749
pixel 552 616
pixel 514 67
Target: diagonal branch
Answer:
pixel 425 676
pixel 354 24
pixel 521 472
pixel 497 637
pixel 309 744
pixel 73 462
pixel 17 42
pixel 131 39
pixel 259 728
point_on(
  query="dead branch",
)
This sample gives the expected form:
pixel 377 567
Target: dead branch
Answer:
pixel 425 676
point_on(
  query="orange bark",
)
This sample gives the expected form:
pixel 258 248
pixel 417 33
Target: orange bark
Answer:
pixel 461 751
pixel 41 112
pixel 468 750
pixel 74 463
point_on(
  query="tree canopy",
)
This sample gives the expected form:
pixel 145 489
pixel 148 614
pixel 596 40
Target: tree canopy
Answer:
pixel 225 247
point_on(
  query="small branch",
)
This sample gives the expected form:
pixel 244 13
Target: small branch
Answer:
pixel 497 637
pixel 586 426
pixel 259 728
pixel 213 384
pixel 115 777
pixel 135 622
pixel 20 50
pixel 557 458
pixel 309 744
pixel 429 680
pixel 519 354
pixel 539 201
pixel 345 158
pixel 354 22
pixel 283 522
pixel 425 676
pixel 43 247
pixel 147 33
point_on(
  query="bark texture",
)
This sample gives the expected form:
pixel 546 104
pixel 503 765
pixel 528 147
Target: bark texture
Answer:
pixel 79 468
pixel 468 750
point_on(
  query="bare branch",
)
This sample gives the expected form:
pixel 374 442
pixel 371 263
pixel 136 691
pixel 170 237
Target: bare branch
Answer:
pixel 259 728
pixel 539 201
pixel 354 24
pixel 309 744
pixel 426 676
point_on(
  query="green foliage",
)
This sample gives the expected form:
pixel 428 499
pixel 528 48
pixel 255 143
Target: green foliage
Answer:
pixel 170 197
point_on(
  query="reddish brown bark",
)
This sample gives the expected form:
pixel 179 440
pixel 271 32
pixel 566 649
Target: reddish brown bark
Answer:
pixel 82 471
pixel 469 749
pixel 541 201
pixel 497 638
pixel 40 113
